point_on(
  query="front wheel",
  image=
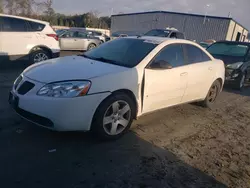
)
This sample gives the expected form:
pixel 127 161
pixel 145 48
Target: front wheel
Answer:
pixel 212 94
pixel 113 117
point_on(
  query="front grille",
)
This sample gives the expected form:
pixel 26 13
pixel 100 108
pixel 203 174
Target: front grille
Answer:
pixel 25 87
pixel 17 82
pixel 34 118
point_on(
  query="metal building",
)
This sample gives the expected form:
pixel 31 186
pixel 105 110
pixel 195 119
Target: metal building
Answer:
pixel 196 27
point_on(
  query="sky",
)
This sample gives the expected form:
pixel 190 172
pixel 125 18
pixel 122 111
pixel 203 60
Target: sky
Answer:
pixel 239 9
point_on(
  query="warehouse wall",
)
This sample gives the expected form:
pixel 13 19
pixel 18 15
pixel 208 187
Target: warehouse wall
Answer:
pixel 196 28
pixel 233 31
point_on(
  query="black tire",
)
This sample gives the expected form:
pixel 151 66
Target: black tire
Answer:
pixel 34 56
pixel 91 46
pixel 100 129
pixel 212 94
pixel 240 83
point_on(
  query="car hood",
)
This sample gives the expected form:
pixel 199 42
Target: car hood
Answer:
pixel 70 68
pixel 229 59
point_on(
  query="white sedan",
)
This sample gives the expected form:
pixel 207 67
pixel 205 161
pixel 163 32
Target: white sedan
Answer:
pixel 106 88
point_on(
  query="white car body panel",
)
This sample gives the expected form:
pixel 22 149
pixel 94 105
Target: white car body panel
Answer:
pixel 152 89
pixel 21 43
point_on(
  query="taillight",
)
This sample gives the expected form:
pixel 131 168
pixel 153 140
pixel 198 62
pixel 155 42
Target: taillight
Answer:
pixel 53 35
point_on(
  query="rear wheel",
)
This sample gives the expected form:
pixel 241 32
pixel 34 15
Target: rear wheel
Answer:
pixel 113 117
pixel 39 56
pixel 91 46
pixel 212 94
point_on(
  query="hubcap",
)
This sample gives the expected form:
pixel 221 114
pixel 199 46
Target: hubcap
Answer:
pixel 40 57
pixel 213 93
pixel 116 117
pixel 91 46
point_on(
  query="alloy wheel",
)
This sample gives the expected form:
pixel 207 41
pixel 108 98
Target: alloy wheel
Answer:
pixel 117 118
pixel 40 57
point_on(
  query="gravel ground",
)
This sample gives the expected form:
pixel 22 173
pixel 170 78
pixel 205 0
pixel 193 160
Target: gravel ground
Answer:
pixel 185 146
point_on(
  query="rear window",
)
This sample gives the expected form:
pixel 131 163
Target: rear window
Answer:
pixel 34 26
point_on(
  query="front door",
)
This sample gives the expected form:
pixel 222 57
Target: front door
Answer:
pixel 68 40
pixel 165 87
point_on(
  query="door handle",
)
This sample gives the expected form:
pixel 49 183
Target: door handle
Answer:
pixel 210 68
pixel 184 74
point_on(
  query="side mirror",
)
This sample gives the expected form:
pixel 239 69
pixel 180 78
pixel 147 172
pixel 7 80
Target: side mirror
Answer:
pixel 161 64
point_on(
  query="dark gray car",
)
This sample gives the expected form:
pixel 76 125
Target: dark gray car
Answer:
pixel 78 40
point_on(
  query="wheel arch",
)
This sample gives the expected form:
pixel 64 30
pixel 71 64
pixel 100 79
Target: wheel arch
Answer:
pixel 41 47
pixel 128 92
pixel 131 95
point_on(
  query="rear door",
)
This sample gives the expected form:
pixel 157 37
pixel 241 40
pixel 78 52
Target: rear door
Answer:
pixel 81 41
pixel 15 37
pixel 200 73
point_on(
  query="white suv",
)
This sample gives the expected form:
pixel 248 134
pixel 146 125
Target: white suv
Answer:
pixel 29 39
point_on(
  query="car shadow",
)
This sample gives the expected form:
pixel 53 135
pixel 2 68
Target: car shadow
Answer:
pixel 244 92
pixel 36 157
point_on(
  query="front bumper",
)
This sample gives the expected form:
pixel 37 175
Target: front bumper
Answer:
pixel 232 75
pixel 60 114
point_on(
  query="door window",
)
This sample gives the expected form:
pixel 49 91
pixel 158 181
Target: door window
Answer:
pixel 70 34
pixel 180 35
pixel 173 35
pixel 82 35
pixel 34 26
pixel 195 55
pixel 13 25
pixel 172 54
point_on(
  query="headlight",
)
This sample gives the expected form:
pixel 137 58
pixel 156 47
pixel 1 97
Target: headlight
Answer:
pixel 235 65
pixel 65 89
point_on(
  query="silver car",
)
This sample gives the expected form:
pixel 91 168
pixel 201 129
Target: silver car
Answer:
pixel 78 40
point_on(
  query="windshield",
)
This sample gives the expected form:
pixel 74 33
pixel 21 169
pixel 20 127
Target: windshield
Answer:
pixel 228 49
pixel 158 32
pixel 127 52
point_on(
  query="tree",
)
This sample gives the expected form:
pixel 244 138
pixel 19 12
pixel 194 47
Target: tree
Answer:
pixel 1 6
pixel 49 12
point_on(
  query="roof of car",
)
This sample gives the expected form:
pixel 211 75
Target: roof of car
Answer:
pixel 161 39
pixel 20 17
pixel 235 42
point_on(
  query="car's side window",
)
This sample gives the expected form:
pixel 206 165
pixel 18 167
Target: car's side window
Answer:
pixel 173 35
pixel 82 35
pixel 34 26
pixel 14 25
pixel 172 54
pixel 195 55
pixel 70 34
pixel 180 36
